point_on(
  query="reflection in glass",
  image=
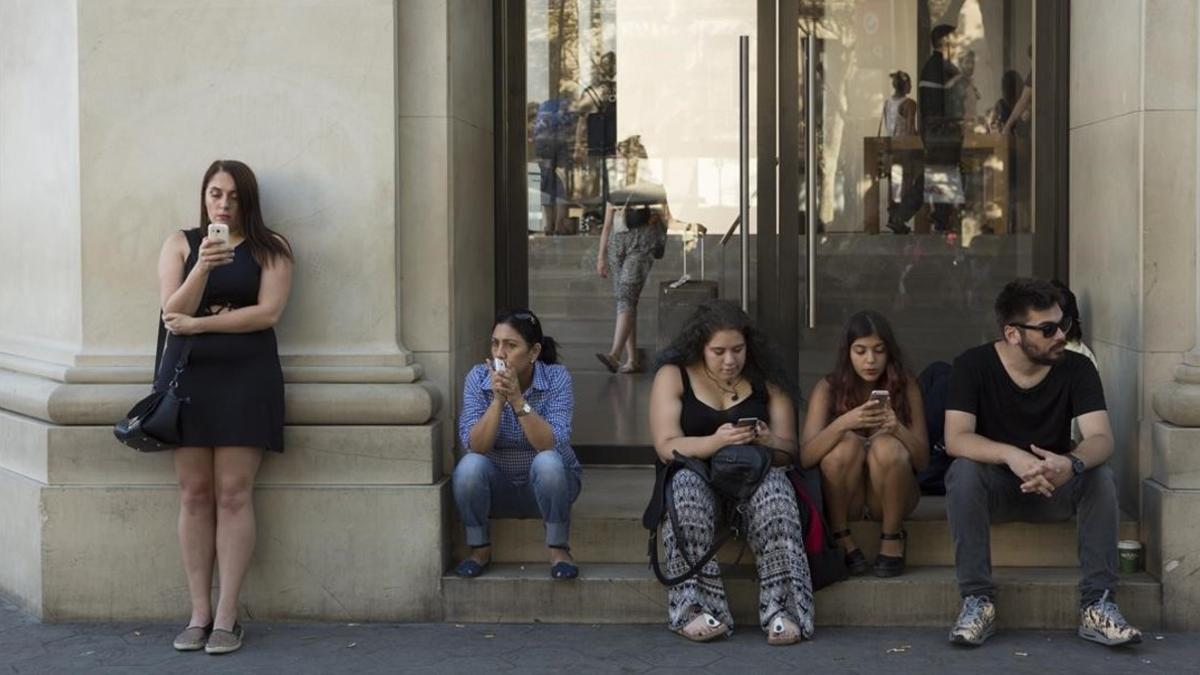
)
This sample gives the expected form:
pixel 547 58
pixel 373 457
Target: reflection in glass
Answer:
pixel 923 197
pixel 924 222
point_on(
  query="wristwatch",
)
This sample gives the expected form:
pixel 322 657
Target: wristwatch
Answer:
pixel 523 409
pixel 1077 465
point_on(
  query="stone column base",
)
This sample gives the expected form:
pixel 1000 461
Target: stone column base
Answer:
pixel 351 523
pixel 1169 517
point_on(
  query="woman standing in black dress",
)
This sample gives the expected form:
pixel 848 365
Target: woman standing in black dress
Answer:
pixel 224 300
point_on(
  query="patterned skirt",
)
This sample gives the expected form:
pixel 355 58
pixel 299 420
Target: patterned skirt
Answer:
pixel 774 536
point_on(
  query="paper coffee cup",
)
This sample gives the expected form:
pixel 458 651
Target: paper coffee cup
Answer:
pixel 1130 552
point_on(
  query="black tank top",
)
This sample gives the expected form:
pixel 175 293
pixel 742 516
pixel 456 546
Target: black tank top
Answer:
pixel 700 419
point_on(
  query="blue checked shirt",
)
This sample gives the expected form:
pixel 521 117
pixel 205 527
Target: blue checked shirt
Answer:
pixel 550 395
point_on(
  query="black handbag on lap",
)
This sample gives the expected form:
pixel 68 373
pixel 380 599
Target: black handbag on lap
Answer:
pixel 734 473
pixel 153 422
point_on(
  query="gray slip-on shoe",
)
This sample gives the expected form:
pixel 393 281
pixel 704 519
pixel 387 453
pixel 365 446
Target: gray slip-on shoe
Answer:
pixel 225 641
pixel 192 638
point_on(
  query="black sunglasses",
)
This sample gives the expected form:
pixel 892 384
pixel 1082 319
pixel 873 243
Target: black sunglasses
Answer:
pixel 1049 328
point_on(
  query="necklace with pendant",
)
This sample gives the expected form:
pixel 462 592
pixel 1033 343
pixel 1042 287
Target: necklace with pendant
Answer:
pixel 732 392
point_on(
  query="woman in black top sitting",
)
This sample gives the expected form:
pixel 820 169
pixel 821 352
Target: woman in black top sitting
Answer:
pixel 720 369
pixel 869 445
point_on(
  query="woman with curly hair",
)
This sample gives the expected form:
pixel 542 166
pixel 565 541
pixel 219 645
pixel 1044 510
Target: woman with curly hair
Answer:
pixel 721 369
pixel 865 428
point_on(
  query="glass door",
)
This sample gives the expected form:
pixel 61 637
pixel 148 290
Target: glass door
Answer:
pixel 632 109
pixel 896 143
pixel 912 163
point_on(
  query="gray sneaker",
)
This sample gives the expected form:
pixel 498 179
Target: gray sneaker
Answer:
pixel 976 621
pixel 1103 622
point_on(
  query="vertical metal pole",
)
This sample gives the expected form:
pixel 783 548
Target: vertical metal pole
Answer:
pixel 810 169
pixel 744 162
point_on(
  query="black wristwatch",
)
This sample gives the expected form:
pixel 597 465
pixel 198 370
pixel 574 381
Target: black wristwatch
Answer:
pixel 1077 465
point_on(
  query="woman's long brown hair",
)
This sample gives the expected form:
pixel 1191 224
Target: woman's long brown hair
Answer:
pixel 846 385
pixel 265 244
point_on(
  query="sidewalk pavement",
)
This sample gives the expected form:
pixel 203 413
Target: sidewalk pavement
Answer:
pixel 27 646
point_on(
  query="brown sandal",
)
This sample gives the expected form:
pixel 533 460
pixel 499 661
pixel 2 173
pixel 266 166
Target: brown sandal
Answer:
pixel 608 361
pixel 629 368
pixel 703 628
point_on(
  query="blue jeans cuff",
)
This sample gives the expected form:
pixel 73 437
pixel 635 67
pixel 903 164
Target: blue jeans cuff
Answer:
pixel 477 536
pixel 558 534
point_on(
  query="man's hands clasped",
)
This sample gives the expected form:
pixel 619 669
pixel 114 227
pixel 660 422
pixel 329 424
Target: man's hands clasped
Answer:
pixel 1042 471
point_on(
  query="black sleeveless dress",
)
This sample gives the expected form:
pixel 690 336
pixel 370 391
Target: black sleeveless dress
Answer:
pixel 700 419
pixel 233 380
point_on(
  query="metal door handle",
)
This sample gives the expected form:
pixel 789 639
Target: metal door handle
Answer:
pixel 744 162
pixel 810 170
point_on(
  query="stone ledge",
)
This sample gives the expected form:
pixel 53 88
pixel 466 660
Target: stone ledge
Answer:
pixel 1175 456
pixel 314 455
pixel 357 553
pixel 138 368
pixel 922 596
pixel 305 402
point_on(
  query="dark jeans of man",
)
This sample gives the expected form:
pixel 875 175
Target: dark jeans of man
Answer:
pixel 980 494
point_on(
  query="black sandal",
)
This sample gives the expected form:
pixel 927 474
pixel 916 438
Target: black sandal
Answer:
pixel 469 568
pixel 856 562
pixel 892 565
pixel 564 569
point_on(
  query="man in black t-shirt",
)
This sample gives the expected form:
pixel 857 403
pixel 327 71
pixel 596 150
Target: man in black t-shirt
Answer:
pixel 1008 422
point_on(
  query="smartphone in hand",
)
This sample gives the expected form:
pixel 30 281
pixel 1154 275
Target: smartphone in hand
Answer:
pixel 747 422
pixel 499 365
pixel 881 395
pixel 218 232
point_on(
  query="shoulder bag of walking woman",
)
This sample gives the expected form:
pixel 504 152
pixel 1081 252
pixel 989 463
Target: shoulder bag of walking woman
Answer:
pixel 153 422
pixel 734 473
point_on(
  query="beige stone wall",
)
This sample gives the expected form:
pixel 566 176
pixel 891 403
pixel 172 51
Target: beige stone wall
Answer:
pixel 109 113
pixel 1133 204
pixel 301 92
pixel 39 180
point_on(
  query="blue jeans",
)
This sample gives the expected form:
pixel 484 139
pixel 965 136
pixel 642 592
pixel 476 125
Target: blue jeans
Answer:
pixel 481 491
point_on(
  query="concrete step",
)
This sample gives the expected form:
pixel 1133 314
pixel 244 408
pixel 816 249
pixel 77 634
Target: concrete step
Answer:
pixel 923 596
pixel 606 527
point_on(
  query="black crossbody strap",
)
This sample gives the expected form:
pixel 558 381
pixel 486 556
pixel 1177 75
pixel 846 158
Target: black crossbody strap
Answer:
pixel 162 343
pixel 662 500
pixel 193 238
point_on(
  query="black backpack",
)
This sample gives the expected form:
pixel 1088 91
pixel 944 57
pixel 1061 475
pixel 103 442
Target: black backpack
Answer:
pixel 934 383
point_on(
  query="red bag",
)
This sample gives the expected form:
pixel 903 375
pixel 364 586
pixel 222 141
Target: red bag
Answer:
pixel 825 560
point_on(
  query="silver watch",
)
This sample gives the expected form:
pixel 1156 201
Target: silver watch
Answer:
pixel 523 410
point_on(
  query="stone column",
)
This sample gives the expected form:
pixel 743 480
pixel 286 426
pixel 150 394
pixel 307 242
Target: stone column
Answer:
pixel 1171 495
pixel 110 114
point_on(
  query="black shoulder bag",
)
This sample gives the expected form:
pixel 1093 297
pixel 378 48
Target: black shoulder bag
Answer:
pixel 734 473
pixel 153 422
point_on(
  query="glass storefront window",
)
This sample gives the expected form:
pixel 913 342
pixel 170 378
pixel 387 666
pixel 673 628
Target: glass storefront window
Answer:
pixel 922 176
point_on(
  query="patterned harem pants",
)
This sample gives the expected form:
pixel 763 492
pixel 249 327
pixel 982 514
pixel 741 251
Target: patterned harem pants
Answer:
pixel 774 536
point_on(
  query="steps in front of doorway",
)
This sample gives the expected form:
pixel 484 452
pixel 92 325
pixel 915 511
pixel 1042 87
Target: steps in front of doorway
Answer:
pixel 606 527
pixel 1027 597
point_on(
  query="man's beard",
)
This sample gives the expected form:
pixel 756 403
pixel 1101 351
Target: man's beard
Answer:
pixel 1053 354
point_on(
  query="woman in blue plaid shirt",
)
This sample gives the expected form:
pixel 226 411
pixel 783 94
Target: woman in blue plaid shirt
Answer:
pixel 515 428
